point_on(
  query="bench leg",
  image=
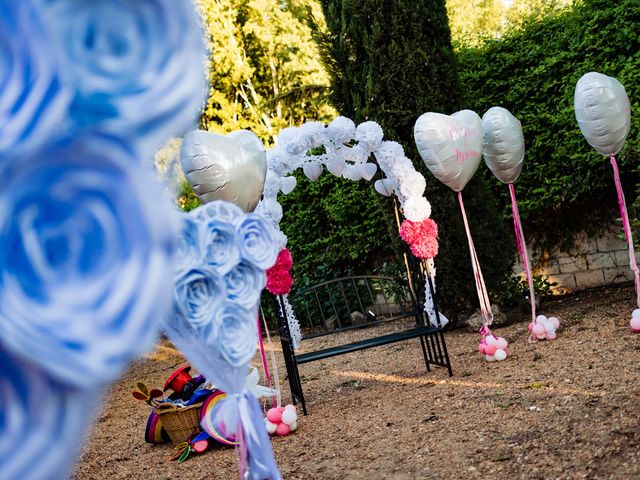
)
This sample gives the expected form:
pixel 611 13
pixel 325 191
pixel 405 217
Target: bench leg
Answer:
pixel 424 352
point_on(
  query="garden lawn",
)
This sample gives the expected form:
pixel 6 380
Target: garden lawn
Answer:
pixel 563 409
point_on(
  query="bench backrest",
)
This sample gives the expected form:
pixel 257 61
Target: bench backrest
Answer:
pixel 352 302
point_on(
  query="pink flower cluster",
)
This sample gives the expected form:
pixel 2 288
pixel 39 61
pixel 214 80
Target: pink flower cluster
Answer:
pixel 422 237
pixel 279 279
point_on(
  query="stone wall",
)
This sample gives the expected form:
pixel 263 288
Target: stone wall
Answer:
pixel 591 262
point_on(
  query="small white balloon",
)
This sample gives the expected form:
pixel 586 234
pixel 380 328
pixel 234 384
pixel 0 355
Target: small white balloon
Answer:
pixel 287 184
pixel 491 340
pixel 294 426
pixel 312 170
pixel 490 358
pixel 636 313
pixel 271 427
pixel 500 355
pixel 541 318
pixel 289 417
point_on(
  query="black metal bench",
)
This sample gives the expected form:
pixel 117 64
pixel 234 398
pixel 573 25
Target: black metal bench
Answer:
pixel 352 303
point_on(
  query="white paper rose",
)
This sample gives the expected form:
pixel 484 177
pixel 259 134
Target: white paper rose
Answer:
pixel 199 292
pixel 257 241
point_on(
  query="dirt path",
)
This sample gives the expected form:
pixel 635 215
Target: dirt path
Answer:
pixel 565 409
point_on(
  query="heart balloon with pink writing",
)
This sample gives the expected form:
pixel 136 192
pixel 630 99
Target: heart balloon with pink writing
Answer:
pixel 450 146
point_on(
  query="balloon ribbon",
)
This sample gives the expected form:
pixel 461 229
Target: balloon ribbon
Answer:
pixel 263 357
pixel 627 228
pixel 522 249
pixel 481 289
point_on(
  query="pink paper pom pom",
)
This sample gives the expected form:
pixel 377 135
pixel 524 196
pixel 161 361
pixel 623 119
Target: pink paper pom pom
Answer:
pixel 422 237
pixel 284 259
pixel 279 282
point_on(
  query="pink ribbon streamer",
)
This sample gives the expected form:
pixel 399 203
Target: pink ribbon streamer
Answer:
pixel 263 357
pixel 627 228
pixel 522 249
pixel 481 289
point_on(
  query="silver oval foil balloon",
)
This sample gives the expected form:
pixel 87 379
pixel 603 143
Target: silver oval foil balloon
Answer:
pixel 231 168
pixel 503 144
pixel 603 112
pixel 450 146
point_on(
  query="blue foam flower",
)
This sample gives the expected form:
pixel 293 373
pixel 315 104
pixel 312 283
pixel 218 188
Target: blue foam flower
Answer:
pixel 245 284
pixel 221 245
pixel 190 243
pixel 86 272
pixel 33 99
pixel 136 66
pixel 258 244
pixel 41 422
pixel 199 293
pixel 237 337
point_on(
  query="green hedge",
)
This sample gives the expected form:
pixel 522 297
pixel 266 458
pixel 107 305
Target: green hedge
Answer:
pixel 565 186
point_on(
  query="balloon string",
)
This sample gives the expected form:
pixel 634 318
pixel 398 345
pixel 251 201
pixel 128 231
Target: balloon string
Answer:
pixel 627 228
pixel 522 249
pixel 481 289
pixel 241 448
pixel 263 357
pixel 274 365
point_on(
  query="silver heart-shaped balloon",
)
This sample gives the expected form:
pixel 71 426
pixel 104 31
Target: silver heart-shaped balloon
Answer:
pixel 603 112
pixel 503 144
pixel 231 168
pixel 450 146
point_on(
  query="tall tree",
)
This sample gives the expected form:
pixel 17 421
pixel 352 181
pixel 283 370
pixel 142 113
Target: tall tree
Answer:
pixel 264 71
pixel 391 61
pixel 473 21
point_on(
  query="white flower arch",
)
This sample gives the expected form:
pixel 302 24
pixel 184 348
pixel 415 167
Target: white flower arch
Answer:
pixel 345 152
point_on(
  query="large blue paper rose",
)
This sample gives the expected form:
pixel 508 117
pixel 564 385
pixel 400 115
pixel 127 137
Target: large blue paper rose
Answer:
pixel 221 245
pixel 258 244
pixel 237 336
pixel 245 284
pixel 32 98
pixel 41 422
pixel 199 293
pixel 190 243
pixel 137 66
pixel 86 264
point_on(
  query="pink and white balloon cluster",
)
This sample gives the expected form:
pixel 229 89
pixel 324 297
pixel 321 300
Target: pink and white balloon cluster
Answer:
pixel 281 420
pixel 545 328
pixel 494 349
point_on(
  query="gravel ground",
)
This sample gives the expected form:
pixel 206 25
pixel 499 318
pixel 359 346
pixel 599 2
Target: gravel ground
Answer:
pixel 563 409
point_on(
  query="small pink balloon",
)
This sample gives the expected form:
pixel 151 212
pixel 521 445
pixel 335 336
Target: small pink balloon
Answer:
pixel 283 429
pixel 502 343
pixel 531 326
pixel 555 322
pixel 490 350
pixel 482 348
pixel 635 324
pixel 274 415
pixel 538 330
pixel 551 336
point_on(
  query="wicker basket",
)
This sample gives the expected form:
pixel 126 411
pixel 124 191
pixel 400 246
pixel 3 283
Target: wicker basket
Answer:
pixel 179 422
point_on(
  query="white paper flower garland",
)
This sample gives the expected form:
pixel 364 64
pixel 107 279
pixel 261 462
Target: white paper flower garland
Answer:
pixel 345 151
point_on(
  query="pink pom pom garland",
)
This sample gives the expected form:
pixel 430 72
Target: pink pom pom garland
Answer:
pixel 422 237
